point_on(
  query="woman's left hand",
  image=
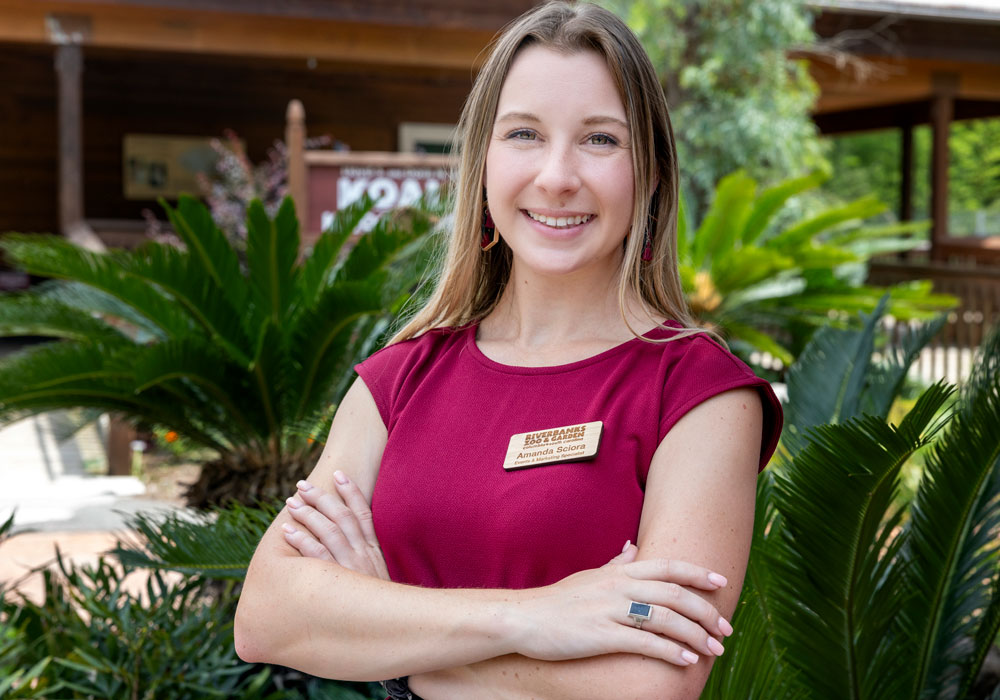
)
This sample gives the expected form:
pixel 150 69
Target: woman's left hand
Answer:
pixel 336 527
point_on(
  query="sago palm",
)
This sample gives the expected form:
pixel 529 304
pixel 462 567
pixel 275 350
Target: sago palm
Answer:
pixel 248 361
pixel 855 591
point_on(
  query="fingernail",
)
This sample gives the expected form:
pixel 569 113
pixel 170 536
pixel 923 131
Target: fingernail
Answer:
pixel 625 548
pixel 715 647
pixel 340 477
pixel 287 528
pixel 725 627
pixel 689 657
pixel 293 502
pixel 718 579
pixel 303 485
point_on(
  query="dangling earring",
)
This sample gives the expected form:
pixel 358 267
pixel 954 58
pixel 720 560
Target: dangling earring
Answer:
pixel 490 235
pixel 647 245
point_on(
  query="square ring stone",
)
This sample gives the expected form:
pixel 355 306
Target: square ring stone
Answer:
pixel 640 610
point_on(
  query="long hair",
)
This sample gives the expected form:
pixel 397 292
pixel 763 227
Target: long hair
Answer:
pixel 471 281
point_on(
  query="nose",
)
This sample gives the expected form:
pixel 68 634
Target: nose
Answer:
pixel 558 172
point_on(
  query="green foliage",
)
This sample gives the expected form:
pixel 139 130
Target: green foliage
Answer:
pixel 217 545
pixel 853 591
pixel 736 98
pixel 245 360
pixel 869 163
pixel 90 638
pixel 745 271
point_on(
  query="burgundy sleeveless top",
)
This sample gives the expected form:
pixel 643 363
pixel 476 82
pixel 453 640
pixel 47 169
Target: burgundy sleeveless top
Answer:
pixel 446 512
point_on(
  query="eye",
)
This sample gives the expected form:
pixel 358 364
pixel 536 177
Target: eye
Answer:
pixel 602 140
pixel 522 135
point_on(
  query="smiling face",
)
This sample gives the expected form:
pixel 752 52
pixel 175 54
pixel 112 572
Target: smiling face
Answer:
pixel 559 164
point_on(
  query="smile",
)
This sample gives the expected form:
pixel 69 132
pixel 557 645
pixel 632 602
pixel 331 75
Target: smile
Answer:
pixel 561 221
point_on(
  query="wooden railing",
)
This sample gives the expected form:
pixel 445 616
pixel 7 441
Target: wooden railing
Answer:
pixel 951 353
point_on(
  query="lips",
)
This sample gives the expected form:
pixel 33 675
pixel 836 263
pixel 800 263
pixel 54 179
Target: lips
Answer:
pixel 560 221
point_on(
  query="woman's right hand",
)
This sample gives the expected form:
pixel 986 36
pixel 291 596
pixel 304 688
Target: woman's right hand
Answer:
pixel 586 614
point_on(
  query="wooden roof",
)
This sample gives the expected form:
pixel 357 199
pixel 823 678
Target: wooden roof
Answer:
pixel 433 33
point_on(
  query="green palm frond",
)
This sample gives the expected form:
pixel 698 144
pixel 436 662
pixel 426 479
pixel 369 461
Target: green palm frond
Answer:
pixel 381 247
pixel 171 270
pixel 773 199
pixel 29 314
pixel 91 301
pixel 272 248
pixel 725 218
pixel 217 545
pixel 798 234
pixel 827 384
pixel 755 664
pixel 951 543
pixel 51 256
pixel 324 334
pixel 320 267
pixel 833 498
pixel 205 384
pixel 210 250
pixel 885 379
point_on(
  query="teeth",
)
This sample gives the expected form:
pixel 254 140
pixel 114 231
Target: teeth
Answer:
pixel 562 221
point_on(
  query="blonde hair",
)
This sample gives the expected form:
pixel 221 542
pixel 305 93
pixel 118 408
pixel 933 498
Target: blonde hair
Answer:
pixel 471 281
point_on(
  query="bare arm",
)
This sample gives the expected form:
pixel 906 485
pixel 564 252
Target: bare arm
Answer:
pixel 322 618
pixel 699 506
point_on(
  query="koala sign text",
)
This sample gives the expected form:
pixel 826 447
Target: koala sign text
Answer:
pixel 390 179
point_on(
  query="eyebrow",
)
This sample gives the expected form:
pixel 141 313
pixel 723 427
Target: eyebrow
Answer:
pixel 589 121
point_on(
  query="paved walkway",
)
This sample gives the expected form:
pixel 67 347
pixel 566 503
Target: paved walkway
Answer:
pixel 51 479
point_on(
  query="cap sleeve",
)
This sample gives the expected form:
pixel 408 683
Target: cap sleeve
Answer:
pixel 705 369
pixel 381 374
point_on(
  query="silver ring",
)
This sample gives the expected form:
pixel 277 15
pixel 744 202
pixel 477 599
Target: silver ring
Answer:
pixel 639 612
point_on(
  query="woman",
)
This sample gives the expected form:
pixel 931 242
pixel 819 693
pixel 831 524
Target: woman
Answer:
pixel 518 431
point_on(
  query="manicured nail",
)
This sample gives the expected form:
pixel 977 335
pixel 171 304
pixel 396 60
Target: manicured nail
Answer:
pixel 689 657
pixel 725 627
pixel 718 579
pixel 288 528
pixel 293 502
pixel 715 647
pixel 625 548
pixel 303 485
pixel 340 477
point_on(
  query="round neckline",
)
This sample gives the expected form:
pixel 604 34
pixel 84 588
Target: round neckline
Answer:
pixel 473 347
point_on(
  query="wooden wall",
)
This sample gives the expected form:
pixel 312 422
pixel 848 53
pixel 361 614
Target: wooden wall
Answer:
pixel 178 94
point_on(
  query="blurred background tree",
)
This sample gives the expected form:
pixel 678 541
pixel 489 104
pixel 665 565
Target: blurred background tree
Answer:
pixel 737 100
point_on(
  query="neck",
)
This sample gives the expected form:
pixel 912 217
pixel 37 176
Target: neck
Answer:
pixel 538 310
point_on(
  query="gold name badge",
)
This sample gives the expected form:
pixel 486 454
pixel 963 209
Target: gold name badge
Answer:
pixel 569 444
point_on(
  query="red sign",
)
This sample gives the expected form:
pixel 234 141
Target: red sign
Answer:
pixel 335 180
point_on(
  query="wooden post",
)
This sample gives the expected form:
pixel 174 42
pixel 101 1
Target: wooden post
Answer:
pixel 945 87
pixel 68 32
pixel 69 67
pixel 295 140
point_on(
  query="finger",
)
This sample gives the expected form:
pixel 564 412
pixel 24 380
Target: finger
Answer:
pixel 677 571
pixel 673 625
pixel 305 543
pixel 356 501
pixel 628 554
pixel 325 530
pixel 334 508
pixel 684 603
pixel 646 643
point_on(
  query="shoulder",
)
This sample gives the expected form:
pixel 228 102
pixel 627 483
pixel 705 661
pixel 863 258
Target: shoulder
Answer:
pixel 386 371
pixel 696 368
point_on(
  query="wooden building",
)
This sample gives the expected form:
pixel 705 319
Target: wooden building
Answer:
pixel 898 64
pixel 79 77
